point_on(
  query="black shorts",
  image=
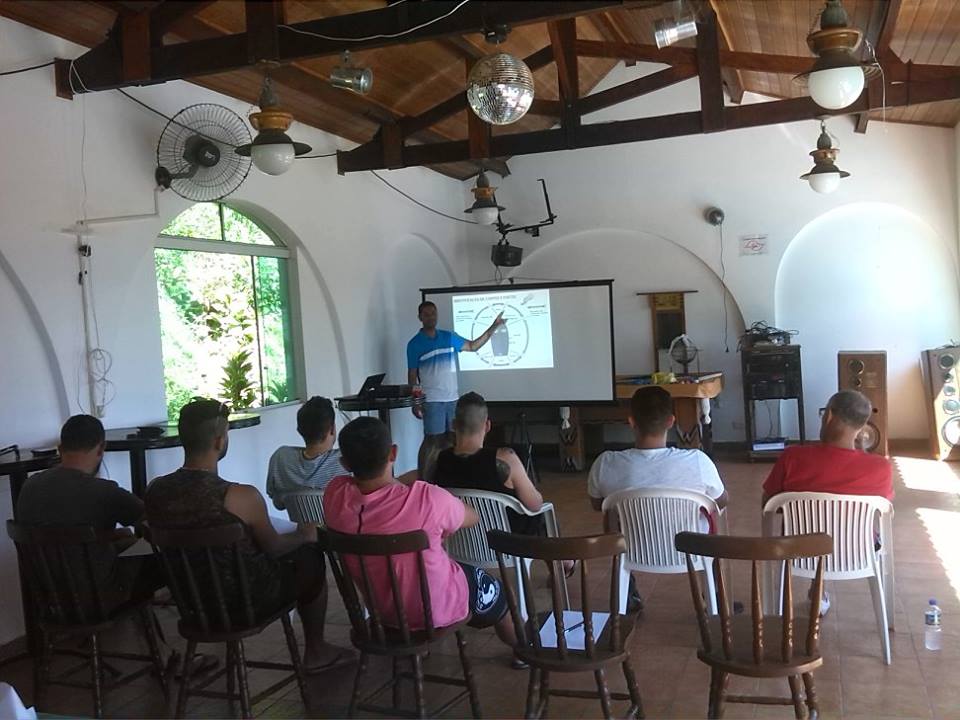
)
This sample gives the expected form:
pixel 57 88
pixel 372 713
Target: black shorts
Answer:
pixel 485 597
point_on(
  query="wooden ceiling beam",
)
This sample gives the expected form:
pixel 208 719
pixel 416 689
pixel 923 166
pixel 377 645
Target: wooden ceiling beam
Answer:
pixel 263 31
pixel 457 103
pixel 731 76
pixel 880 40
pixel 635 88
pixel 463 47
pixel 563 38
pixel 369 156
pixel 895 69
pixel 165 17
pixel 708 69
pixel 404 23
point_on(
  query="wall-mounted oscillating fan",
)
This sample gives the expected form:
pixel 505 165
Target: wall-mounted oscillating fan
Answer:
pixel 195 154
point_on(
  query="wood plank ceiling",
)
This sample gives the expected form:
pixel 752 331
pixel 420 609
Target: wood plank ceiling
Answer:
pixel 410 79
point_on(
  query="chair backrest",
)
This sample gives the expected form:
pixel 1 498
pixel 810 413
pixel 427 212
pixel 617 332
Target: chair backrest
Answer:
pixel 469 545
pixel 650 518
pixel 357 561
pixel 850 519
pixel 553 551
pixel 783 550
pixel 207 574
pixel 61 566
pixel 305 506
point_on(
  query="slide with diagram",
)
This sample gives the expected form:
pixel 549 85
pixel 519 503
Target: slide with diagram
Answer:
pixel 524 342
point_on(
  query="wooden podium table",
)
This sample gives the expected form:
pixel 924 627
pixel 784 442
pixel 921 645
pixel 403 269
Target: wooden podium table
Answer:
pixel 687 397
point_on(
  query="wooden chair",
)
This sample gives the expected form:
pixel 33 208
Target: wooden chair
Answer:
pixel 371 635
pixel 599 653
pixel 70 602
pixel 205 616
pixel 736 645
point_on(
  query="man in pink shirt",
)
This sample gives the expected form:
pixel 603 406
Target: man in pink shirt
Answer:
pixel 373 502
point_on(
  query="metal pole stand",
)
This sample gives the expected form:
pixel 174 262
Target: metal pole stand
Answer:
pixel 527 444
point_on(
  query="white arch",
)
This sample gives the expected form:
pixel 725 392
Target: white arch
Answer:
pixel 634 233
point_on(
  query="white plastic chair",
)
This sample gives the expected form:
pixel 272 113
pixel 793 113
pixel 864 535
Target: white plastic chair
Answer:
pixel 469 545
pixel 852 521
pixel 305 506
pixel 650 519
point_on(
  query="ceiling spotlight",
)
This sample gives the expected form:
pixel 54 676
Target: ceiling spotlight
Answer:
pixel 272 150
pixel 499 86
pixel 837 77
pixel 825 175
pixel 484 208
pixel 676 27
pixel 348 76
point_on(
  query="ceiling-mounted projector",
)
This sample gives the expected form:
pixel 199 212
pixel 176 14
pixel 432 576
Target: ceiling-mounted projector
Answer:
pixel 503 254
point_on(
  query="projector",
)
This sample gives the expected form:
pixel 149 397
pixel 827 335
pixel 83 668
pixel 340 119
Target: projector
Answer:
pixel 505 255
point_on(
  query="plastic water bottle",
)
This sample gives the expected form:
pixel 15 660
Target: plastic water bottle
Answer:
pixel 932 637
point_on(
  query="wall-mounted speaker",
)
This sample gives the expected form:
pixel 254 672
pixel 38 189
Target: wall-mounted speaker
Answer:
pixel 939 368
pixel 866 372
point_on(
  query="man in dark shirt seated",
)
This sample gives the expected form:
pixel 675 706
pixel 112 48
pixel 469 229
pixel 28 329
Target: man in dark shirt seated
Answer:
pixel 72 494
pixel 280 566
pixel 469 465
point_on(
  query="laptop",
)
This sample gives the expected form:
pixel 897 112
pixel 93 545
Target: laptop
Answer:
pixel 369 387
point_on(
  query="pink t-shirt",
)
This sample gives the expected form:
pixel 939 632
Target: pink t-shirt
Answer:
pixel 397 508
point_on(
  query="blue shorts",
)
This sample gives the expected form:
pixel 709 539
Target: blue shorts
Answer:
pixel 438 417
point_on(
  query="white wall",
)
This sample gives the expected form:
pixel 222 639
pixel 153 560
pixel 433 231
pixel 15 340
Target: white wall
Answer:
pixel 635 213
pixel 900 294
pixel 362 252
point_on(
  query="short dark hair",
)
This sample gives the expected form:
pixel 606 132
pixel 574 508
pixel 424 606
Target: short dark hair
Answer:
pixel 201 422
pixel 851 407
pixel 651 408
pixel 365 445
pixel 471 413
pixel 80 433
pixel 315 419
pixel 425 303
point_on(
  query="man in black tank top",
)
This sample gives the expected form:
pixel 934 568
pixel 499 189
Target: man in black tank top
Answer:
pixel 469 465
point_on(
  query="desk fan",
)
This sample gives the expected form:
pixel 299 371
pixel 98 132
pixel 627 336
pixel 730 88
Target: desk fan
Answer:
pixel 683 352
pixel 196 155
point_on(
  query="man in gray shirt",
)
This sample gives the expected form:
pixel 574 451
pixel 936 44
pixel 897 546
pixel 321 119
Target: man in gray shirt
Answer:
pixel 311 467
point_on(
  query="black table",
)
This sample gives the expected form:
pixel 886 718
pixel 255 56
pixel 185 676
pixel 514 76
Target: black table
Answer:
pixel 129 440
pixel 383 406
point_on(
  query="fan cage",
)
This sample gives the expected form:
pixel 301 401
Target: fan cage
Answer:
pixel 219 125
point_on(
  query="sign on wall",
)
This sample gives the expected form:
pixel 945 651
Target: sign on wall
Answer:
pixel 753 245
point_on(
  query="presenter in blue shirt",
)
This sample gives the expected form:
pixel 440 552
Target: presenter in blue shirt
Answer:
pixel 432 362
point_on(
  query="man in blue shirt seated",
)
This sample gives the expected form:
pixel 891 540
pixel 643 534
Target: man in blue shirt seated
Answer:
pixel 432 361
pixel 311 467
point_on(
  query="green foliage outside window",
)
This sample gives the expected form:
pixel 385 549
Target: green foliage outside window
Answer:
pixel 224 318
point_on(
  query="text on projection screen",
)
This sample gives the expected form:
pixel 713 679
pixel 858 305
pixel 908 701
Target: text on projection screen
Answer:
pixel 525 341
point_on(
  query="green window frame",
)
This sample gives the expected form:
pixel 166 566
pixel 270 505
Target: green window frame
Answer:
pixel 226 290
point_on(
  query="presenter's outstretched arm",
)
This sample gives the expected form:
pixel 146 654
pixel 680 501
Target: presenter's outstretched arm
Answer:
pixel 413 378
pixel 479 342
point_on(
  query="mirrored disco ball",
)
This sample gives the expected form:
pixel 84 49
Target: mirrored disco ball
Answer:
pixel 500 89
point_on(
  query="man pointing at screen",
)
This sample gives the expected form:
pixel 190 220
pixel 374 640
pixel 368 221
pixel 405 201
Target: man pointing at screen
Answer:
pixel 432 361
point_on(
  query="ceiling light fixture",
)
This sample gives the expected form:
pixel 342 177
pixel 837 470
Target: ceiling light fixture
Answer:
pixel 675 27
pixel 484 209
pixel 348 76
pixel 837 77
pixel 825 176
pixel 500 86
pixel 272 150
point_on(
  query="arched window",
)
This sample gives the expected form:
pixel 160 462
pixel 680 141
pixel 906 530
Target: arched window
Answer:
pixel 223 282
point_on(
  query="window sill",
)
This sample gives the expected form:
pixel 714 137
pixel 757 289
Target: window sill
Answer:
pixel 274 406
